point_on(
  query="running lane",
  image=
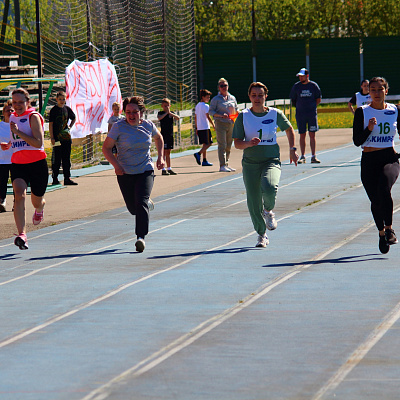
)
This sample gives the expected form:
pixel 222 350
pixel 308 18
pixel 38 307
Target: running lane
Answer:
pixel 202 313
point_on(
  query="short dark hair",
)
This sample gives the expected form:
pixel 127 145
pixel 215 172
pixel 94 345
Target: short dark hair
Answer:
pixel 60 93
pixel 138 100
pixel 204 93
pixel 380 79
pixel 364 80
pixel 259 85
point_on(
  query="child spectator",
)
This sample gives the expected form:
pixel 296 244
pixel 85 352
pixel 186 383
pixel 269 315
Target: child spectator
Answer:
pixel 166 118
pixel 61 140
pixel 116 116
pixel 116 108
pixel 203 121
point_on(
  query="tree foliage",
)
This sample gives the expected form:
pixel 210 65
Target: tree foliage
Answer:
pixel 227 20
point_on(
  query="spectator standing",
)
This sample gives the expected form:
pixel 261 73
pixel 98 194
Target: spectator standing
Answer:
pixel 223 108
pixel 360 98
pixel 5 156
pixel 305 96
pixel 166 118
pixel 203 122
pixel 60 137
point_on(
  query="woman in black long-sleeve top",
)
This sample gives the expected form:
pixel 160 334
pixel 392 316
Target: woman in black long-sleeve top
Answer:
pixel 374 129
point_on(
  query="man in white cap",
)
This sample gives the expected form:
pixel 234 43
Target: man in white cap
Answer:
pixel 305 96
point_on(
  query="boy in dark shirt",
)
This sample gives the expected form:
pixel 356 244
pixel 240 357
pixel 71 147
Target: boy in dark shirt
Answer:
pixel 166 118
pixel 60 137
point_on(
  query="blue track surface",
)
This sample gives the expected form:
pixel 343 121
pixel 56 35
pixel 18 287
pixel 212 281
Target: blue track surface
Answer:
pixel 202 313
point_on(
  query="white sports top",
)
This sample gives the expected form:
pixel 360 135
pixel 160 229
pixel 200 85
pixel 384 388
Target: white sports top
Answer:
pixel 362 99
pixel 385 130
pixel 262 127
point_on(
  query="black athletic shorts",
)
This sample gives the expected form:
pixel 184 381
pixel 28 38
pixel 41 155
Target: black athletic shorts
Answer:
pixel 35 174
pixel 168 141
pixel 204 136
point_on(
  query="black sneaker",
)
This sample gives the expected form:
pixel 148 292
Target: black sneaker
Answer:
pixel 164 172
pixel 69 182
pixel 172 172
pixel 56 182
pixel 383 244
pixel 390 236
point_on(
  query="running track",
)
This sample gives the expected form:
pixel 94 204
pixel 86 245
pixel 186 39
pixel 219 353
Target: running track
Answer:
pixel 202 313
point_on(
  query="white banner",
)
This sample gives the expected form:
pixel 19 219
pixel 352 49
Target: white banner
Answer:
pixel 91 88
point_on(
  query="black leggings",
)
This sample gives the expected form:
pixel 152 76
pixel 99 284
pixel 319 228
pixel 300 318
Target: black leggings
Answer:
pixel 136 190
pixel 379 172
pixel 4 174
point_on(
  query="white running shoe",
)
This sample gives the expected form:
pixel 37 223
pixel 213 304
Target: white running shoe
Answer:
pixel 140 245
pixel 270 220
pixel 2 205
pixel 150 204
pixel 262 241
pixel 232 169
pixel 224 168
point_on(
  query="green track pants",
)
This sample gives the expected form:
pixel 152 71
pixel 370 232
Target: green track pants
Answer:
pixel 261 180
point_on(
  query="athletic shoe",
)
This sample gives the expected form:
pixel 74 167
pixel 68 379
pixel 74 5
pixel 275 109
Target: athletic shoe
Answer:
pixel 172 172
pixel 383 244
pixel 69 182
pixel 270 220
pixel 21 241
pixel 37 217
pixel 224 168
pixel 231 169
pixel 140 245
pixel 390 237
pixel 262 241
pixel 151 205
pixel 164 172
pixel 197 157
pixel 56 182
pixel 314 160
pixel 2 205
pixel 302 160
pixel 205 163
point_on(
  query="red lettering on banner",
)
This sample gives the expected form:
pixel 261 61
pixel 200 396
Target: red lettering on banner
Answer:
pixel 91 89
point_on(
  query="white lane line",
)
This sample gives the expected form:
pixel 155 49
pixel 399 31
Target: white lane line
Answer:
pixel 128 285
pixel 112 293
pixel 167 226
pixel 205 327
pixel 358 355
pixel 36 271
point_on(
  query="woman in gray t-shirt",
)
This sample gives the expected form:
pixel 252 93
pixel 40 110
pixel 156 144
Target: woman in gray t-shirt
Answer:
pixel 133 165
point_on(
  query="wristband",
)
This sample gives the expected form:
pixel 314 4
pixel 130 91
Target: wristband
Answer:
pixel 293 148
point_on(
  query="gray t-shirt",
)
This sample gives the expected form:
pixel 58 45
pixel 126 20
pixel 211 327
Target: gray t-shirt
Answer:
pixel 133 145
pixel 114 119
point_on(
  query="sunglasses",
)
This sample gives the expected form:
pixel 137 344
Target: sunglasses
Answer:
pixel 223 85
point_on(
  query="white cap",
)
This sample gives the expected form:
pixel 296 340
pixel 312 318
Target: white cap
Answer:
pixel 303 72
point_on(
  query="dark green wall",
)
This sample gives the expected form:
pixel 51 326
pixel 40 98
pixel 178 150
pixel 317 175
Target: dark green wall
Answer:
pixel 334 65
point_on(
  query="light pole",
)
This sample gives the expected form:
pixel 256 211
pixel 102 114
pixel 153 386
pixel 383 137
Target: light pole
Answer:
pixel 253 42
pixel 39 54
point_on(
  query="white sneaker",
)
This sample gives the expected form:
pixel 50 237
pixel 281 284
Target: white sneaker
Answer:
pixel 140 245
pixel 150 204
pixel 2 205
pixel 270 220
pixel 262 241
pixel 232 169
pixel 224 168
